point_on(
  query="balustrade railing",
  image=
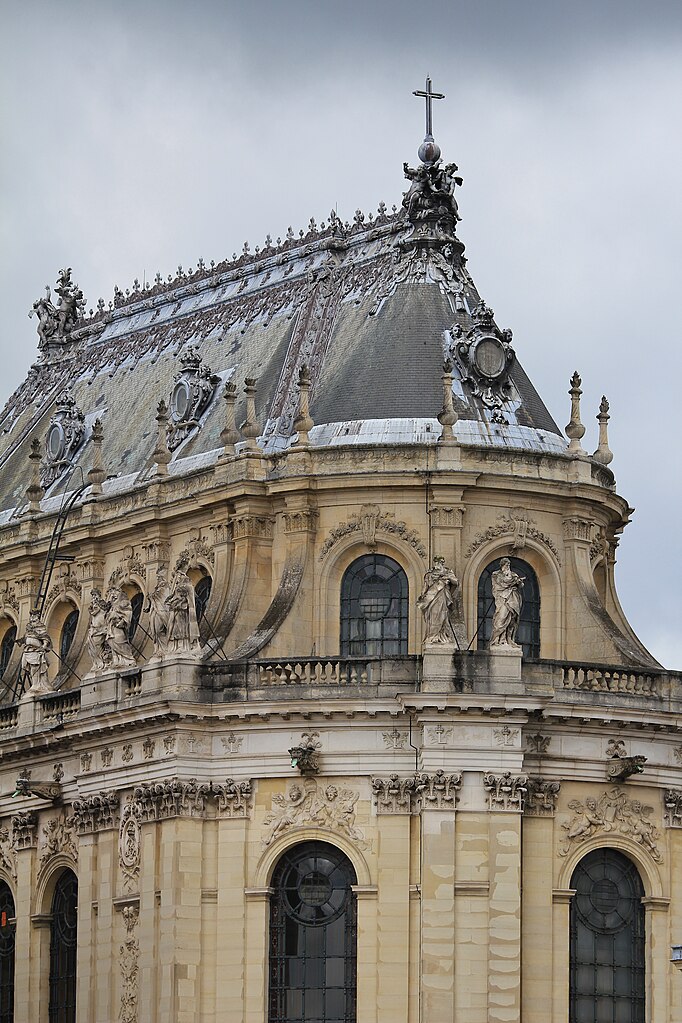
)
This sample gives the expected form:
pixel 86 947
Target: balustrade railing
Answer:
pixel 328 671
pixel 9 717
pixel 61 706
pixel 604 679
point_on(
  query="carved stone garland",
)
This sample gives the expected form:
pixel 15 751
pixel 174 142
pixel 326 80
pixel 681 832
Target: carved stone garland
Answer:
pixel 369 521
pixel 517 523
pixel 129 960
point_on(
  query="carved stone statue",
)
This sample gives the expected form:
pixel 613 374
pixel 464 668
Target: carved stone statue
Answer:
pixel 432 191
pixel 119 617
pixel 55 322
pixel 507 591
pixel 437 602
pixel 98 647
pixel 182 628
pixel 158 610
pixel 34 659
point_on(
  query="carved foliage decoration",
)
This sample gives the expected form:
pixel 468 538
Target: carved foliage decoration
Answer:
pixel 612 812
pixel 172 798
pixel 538 743
pixel 59 837
pixel 438 791
pixel 517 523
pixel 672 799
pixel 234 798
pixel 96 813
pixel 193 390
pixel 369 521
pixel 25 829
pixel 541 797
pixel 505 791
pixel 129 960
pixel 64 436
pixel 395 795
pixel 310 803
pixel 197 550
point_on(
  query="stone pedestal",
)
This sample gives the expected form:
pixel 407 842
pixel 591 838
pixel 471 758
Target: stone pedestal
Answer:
pixel 439 670
pixel 505 669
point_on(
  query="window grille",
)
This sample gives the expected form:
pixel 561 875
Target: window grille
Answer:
pixel 528 633
pixel 374 608
pixel 7 940
pixel 202 592
pixel 63 929
pixel 6 647
pixel 68 632
pixel 313 937
pixel 607 941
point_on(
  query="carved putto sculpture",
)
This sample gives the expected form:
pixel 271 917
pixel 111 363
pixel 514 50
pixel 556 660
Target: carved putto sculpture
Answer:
pixel 507 591
pixel 34 659
pixel 182 629
pixel 437 602
pixel 108 634
pixel 56 322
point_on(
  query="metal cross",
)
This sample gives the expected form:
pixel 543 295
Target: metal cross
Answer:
pixel 429 96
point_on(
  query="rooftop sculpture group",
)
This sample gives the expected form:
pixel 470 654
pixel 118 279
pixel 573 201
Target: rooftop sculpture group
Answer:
pixel 56 322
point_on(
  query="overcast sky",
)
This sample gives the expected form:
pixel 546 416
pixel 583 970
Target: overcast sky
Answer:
pixel 137 136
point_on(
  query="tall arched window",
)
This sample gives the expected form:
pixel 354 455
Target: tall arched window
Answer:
pixel 63 949
pixel 7 937
pixel 374 608
pixel 68 632
pixel 607 940
pixel 202 591
pixel 136 602
pixel 6 648
pixel 313 925
pixel 528 633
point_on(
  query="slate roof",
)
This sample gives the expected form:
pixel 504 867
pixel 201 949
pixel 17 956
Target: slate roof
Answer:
pixel 372 319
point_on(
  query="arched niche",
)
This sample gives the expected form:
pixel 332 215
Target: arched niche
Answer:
pixel 328 588
pixel 548 575
pixel 65 626
pixel 9 631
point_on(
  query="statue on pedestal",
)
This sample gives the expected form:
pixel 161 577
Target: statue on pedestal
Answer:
pixel 34 659
pixel 437 602
pixel 119 617
pixel 508 595
pixel 182 629
pixel 158 610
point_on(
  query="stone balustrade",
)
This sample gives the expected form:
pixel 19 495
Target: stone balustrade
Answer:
pixel 61 706
pixel 605 679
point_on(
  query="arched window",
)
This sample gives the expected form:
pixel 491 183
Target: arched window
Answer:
pixel 202 591
pixel 6 647
pixel 528 632
pixel 313 958
pixel 136 602
pixel 63 950
pixel 7 937
pixel 68 632
pixel 374 608
pixel 607 940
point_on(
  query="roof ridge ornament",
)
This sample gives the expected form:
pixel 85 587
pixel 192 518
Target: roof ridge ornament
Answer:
pixel 429 151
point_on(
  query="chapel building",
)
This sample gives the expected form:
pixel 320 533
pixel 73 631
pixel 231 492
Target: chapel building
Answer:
pixel 318 704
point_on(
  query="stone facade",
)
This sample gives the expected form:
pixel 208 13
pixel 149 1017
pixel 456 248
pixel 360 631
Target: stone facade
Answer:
pixel 464 785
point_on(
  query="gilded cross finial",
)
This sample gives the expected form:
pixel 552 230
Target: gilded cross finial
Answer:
pixel 429 96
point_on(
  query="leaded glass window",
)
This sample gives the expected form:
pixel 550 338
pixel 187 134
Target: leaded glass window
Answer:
pixel 528 632
pixel 136 602
pixel 202 591
pixel 6 647
pixel 313 937
pixel 68 632
pixel 7 938
pixel 374 608
pixel 63 931
pixel 607 941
